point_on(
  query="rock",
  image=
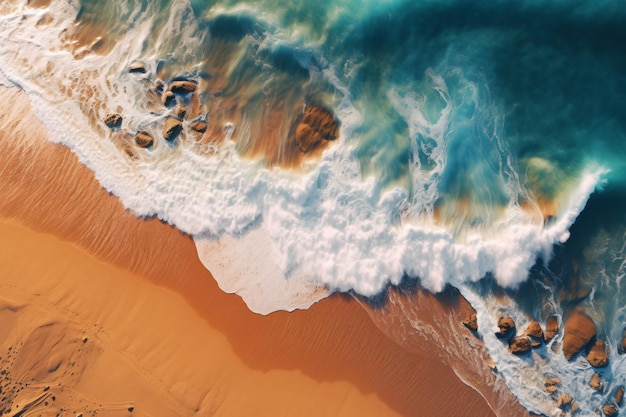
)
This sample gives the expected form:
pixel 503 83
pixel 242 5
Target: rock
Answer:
pixel 534 330
pixel 168 99
pixel 552 328
pixel 619 395
pixel 171 129
pixel 551 389
pixel 579 330
pixel 506 327
pixel 113 120
pixel 597 355
pixel 471 322
pixel 574 407
pixel 519 345
pixel 564 401
pixel 182 87
pixel 137 67
pixel 199 126
pixel 595 382
pixel 552 381
pixel 609 410
pixel 143 139
pixel 317 126
pixel 158 86
pixel 180 111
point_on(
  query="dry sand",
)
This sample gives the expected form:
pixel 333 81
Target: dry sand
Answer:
pixel 161 337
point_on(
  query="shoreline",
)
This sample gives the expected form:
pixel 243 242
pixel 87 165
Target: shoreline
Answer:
pixel 331 351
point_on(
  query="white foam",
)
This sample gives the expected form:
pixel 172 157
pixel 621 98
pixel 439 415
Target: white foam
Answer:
pixel 259 280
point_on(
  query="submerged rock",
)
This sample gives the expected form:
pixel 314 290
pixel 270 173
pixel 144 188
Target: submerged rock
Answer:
pixel 552 328
pixel 595 382
pixel 471 322
pixel 520 344
pixel 171 129
pixel 113 120
pixel 317 125
pixel 506 327
pixel 579 330
pixel 143 139
pixel 622 346
pixel 597 355
pixel 619 395
pixel 609 410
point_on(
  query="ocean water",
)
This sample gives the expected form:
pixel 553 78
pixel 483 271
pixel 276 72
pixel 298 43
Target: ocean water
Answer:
pixel 481 146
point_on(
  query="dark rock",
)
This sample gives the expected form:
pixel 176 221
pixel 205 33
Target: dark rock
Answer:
pixel 471 322
pixel 552 328
pixel 171 129
pixel 506 327
pixel 579 330
pixel 597 355
pixel 519 345
pixel 113 120
pixel 143 139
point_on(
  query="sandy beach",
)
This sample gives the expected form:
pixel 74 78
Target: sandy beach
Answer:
pixel 102 311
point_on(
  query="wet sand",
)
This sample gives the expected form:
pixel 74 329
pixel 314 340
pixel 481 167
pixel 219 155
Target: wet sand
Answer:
pixel 162 336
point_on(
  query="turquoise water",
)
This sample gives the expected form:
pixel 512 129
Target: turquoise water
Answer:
pixel 471 135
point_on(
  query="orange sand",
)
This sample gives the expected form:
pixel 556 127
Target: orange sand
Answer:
pixel 161 336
